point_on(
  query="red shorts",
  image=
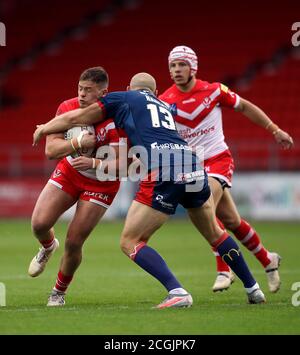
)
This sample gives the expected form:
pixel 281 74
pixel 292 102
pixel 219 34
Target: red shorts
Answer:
pixel 73 183
pixel 221 166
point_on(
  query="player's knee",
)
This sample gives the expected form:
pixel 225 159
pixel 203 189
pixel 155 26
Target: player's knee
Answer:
pixel 231 222
pixel 39 227
pixel 127 244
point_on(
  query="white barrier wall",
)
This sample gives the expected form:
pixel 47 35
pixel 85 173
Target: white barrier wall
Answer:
pixel 262 196
pixel 268 196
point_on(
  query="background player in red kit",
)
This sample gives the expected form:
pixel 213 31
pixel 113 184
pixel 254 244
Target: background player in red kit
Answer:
pixel 68 186
pixel 196 105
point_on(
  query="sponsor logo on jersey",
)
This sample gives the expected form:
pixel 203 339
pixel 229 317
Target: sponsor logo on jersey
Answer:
pixel 159 198
pixel 189 133
pixel 190 177
pixel 97 195
pixel 155 145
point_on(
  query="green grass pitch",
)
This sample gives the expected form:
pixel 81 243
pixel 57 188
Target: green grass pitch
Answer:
pixel 112 295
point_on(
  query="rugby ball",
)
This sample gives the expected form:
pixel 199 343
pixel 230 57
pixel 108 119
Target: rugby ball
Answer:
pixel 74 133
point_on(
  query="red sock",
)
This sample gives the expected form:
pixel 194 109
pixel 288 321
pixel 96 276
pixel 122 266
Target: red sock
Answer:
pixel 221 265
pixel 62 282
pixel 251 240
pixel 47 243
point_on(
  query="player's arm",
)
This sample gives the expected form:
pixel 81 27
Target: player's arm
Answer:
pixel 57 147
pixel 112 163
pixel 259 117
pixel 79 117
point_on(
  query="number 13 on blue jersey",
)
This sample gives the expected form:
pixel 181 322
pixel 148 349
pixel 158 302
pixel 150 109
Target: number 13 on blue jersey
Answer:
pixel 160 116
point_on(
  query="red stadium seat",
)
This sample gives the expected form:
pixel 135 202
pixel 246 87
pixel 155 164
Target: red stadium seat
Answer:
pixel 223 51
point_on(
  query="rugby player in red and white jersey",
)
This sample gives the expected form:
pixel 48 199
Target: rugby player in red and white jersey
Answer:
pixel 197 107
pixel 68 186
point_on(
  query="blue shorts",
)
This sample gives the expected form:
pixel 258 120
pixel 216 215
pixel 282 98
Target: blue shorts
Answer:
pixel 165 196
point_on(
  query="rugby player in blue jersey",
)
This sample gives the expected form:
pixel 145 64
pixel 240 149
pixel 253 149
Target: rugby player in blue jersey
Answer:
pixel 149 125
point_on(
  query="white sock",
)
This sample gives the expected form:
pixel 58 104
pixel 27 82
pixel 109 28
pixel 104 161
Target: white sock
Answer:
pixel 178 291
pixel 253 288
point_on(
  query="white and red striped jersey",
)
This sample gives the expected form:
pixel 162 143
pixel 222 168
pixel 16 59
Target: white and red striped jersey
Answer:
pixel 198 114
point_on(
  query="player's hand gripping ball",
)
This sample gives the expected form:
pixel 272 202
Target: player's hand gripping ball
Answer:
pixel 88 147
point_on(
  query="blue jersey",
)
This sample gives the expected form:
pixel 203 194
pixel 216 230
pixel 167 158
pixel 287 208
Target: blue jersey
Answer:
pixel 149 123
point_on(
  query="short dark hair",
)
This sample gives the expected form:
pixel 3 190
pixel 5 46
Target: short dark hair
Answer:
pixel 97 75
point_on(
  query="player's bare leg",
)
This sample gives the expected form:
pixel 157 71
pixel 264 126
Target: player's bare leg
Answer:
pixel 86 217
pixel 50 205
pixel 228 214
pixel 231 218
pixel 216 190
pixel 204 220
pixel 141 222
pixel 225 276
